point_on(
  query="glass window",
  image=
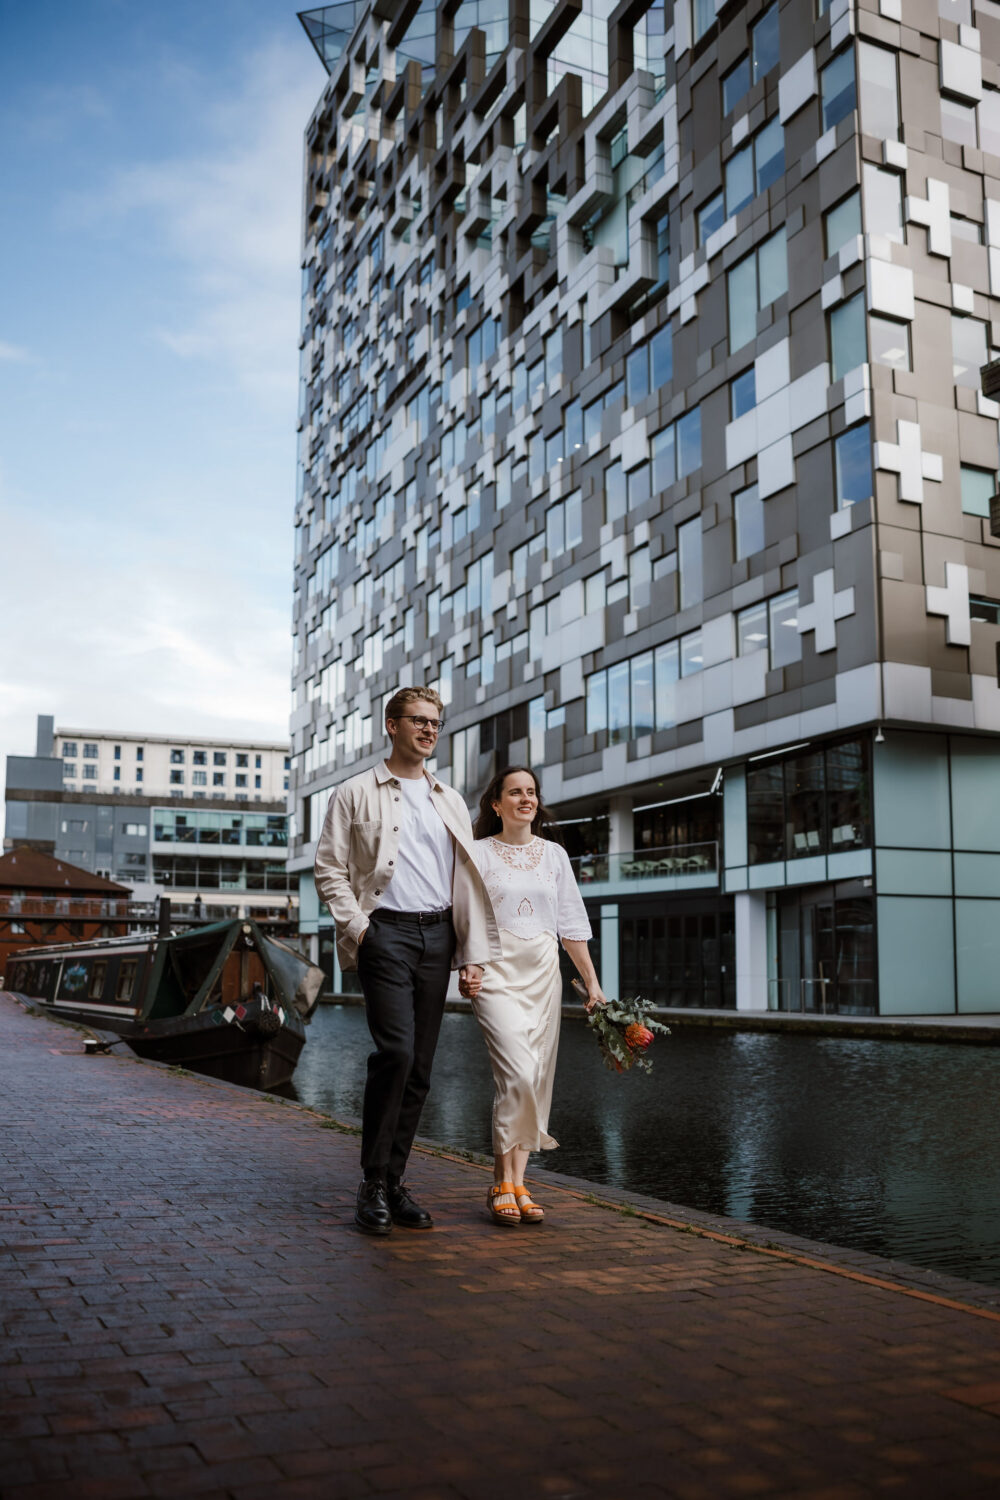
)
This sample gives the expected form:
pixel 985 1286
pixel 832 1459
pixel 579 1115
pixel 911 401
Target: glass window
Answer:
pixel 666 671
pixel 853 465
pixel 986 611
pixel 704 16
pixel 218 778
pixel 751 629
pixel 69 749
pixel 966 229
pixel 689 556
pixel 735 84
pixel 743 393
pixel 176 777
pixel 890 343
pixel 637 375
pixel 968 347
pixel 843 222
pixel 748 518
pixel 883 203
pixel 594 593
pixel 805 806
pixel 642 694
pixel 218 757
pixel 783 623
pixel 958 122
pixel 89 751
pixel 199 778
pixel 711 216
pixel 662 357
pixel 848 346
pixel 978 488
pixel 772 261
pixel 848 808
pixel 689 442
pixel 754 283
pixel 597 702
pixel 879 92
pixel 765 813
pixel 989 121
pixel 638 486
pixel 618 702
pixel 764 43
pixel 741 284
pixel 692 657
pixel 739 180
pixel 769 154
pixel 664 459
pixel 615 500
pixel 837 90
pixel 199 758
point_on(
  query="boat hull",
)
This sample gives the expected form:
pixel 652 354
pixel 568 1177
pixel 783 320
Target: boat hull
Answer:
pixel 258 1049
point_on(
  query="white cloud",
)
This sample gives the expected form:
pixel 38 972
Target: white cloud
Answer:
pixel 229 217
pixel 14 354
pixel 168 642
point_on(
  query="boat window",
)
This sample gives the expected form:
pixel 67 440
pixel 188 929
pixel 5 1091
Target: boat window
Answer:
pixel 98 974
pixel 126 979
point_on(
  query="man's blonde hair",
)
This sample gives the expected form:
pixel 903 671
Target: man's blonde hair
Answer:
pixel 400 699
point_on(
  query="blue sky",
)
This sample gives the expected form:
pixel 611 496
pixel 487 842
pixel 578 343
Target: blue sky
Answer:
pixel 151 179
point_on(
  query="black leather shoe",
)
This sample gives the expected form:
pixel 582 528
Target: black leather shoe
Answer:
pixel 406 1213
pixel 372 1211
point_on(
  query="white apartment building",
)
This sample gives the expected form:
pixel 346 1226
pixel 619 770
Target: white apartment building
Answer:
pixel 158 766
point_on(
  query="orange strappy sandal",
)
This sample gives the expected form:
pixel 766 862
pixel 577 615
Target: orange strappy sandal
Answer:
pixel 503 1205
pixel 529 1210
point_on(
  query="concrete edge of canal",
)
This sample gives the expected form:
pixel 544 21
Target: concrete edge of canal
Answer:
pixel 982 1031
pixel 743 1236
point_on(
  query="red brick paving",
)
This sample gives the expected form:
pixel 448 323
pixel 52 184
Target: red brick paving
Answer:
pixel 189 1311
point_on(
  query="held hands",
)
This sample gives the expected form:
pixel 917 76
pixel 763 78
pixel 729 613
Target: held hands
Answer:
pixel 470 980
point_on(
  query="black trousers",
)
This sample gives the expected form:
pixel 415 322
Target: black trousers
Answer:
pixel 404 967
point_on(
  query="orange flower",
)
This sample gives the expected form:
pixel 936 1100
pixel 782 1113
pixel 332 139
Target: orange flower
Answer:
pixel 637 1036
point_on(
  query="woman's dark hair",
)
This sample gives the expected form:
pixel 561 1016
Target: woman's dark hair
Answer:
pixel 489 822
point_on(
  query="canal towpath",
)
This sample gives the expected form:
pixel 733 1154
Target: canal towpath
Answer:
pixel 188 1309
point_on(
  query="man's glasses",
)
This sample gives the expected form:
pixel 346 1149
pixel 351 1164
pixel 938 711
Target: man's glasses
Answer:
pixel 420 722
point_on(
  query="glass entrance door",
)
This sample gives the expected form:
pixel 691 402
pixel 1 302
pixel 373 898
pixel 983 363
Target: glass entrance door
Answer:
pixel 827 951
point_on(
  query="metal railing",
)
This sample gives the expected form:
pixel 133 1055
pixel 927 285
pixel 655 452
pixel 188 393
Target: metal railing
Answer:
pixel 64 906
pixel 648 864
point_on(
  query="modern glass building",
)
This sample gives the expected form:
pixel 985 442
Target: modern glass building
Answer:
pixel 640 414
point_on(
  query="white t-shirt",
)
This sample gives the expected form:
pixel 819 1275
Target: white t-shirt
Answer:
pixel 425 863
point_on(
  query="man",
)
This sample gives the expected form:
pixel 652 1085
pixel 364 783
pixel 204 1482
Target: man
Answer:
pixel 394 865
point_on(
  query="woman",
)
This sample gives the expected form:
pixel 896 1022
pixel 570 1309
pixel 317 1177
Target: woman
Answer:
pixel 518 1001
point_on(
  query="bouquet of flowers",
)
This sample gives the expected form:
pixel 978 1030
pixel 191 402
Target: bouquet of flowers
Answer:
pixel 624 1031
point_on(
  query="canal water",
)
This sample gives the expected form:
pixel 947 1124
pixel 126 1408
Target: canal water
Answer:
pixel 887 1147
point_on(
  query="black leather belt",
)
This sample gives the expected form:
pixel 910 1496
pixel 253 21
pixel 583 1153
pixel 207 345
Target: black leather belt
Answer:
pixel 420 918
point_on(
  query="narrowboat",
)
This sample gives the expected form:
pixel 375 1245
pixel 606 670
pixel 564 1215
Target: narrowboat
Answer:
pixel 223 1000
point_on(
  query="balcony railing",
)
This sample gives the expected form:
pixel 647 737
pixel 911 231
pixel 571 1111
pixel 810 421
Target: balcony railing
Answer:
pixel 684 860
pixel 64 906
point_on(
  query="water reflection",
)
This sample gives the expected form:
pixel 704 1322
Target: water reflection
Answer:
pixel 890 1147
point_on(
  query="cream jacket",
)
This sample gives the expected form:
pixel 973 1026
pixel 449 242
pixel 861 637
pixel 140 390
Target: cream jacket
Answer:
pixel 357 851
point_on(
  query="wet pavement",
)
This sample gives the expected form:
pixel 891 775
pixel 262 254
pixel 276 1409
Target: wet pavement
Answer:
pixel 189 1310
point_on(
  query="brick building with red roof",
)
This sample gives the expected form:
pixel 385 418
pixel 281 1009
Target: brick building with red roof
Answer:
pixel 46 900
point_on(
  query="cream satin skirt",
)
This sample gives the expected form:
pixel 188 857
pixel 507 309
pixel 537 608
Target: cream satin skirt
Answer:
pixel 519 1009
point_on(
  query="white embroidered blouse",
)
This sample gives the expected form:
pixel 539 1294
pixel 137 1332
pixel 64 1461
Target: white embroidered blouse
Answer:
pixel 532 888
